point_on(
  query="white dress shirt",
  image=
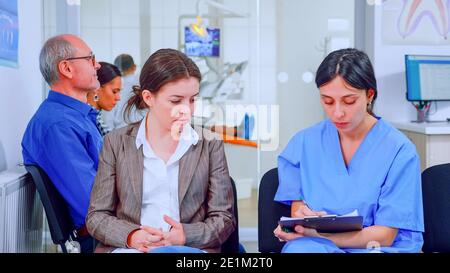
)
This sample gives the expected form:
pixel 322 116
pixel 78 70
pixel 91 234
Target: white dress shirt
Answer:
pixel 160 183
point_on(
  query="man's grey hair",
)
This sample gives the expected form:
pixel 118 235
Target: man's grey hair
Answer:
pixel 54 50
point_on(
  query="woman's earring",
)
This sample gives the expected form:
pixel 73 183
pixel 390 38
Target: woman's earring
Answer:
pixel 369 106
pixel 96 98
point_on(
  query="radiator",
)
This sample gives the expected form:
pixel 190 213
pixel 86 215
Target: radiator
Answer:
pixel 21 213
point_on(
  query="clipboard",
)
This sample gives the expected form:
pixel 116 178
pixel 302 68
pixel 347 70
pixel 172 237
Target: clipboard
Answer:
pixel 325 224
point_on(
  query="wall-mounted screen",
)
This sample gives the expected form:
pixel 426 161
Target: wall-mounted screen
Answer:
pixel 202 46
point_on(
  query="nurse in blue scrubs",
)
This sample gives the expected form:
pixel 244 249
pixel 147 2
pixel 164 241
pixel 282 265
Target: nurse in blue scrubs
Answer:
pixel 351 161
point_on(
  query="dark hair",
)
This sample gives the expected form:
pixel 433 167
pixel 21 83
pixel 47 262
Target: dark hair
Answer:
pixel 107 73
pixel 163 66
pixel 353 66
pixel 124 62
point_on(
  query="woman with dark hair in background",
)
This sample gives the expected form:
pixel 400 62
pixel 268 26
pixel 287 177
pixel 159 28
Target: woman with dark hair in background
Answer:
pixel 106 97
pixel 351 161
pixel 161 185
pixel 115 118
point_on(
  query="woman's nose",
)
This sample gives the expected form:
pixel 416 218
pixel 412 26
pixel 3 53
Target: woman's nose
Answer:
pixel 184 111
pixel 181 110
pixel 338 112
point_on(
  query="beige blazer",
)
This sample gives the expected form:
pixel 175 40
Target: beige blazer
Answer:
pixel 205 192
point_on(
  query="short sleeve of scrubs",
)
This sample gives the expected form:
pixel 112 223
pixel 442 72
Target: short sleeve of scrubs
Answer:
pixel 289 173
pixel 400 201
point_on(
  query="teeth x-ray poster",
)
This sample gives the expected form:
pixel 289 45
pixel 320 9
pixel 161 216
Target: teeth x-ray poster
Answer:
pixel 416 22
pixel 9 33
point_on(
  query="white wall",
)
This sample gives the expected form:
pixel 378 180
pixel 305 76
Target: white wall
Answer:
pixel 388 61
pixel 21 88
pixel 302 28
pixel 112 27
pixel 60 17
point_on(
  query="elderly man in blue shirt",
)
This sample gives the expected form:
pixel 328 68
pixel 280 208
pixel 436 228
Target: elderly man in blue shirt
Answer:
pixel 62 136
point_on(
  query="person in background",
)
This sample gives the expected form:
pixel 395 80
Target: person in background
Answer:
pixel 353 160
pixel 106 97
pixel 162 185
pixel 115 118
pixel 62 137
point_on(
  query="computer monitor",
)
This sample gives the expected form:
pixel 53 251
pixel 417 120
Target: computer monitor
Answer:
pixel 198 46
pixel 427 78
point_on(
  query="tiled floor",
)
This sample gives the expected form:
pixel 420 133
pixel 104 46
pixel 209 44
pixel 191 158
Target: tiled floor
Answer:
pixel 248 210
pixel 248 222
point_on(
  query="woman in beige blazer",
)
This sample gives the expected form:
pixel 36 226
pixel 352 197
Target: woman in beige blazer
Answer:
pixel 162 185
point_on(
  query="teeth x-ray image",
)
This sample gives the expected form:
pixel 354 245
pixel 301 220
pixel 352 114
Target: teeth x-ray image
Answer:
pixel 202 46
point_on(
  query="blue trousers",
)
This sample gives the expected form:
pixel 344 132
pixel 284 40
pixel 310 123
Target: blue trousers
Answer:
pixel 176 249
pixel 321 245
pixel 87 244
pixel 311 245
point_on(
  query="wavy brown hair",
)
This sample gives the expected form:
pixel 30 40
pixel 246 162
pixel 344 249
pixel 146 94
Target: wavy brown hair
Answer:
pixel 162 67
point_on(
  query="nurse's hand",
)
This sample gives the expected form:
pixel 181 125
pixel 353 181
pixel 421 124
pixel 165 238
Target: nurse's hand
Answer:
pixel 299 231
pixel 306 232
pixel 299 210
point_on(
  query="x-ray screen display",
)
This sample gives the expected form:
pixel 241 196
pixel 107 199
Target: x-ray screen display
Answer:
pixel 202 46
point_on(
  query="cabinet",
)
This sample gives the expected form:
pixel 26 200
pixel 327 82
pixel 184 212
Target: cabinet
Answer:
pixel 432 141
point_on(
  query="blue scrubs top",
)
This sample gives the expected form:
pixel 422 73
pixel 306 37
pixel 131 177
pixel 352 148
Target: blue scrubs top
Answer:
pixel 382 181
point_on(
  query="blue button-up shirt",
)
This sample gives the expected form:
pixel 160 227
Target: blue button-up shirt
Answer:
pixel 63 139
